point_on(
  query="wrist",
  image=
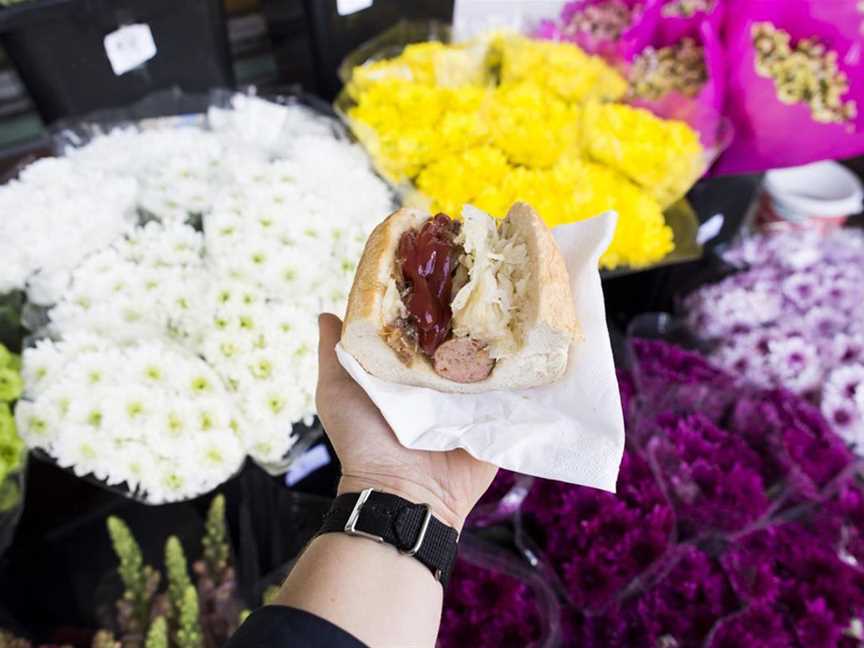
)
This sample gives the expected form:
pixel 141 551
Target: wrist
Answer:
pixel 406 489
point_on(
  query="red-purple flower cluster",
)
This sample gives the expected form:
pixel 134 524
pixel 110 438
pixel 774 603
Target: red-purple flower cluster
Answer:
pixel 795 568
pixel 713 478
pixel 484 607
pixel 738 521
pixel 793 440
pixel 599 542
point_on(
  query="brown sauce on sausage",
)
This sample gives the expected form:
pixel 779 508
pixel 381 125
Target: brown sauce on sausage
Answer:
pixel 427 258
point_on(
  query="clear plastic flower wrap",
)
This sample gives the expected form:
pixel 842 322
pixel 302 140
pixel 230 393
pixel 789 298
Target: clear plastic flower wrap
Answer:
pixel 712 477
pixel 493 600
pixel 501 500
pixel 679 606
pixel 668 379
pixel 198 321
pixel 795 68
pixel 524 120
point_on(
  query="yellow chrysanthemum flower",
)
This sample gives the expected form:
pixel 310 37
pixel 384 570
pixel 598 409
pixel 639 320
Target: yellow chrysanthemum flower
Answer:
pixel 562 68
pixel 429 118
pixel 430 63
pixel 396 121
pixel 662 156
pixel 461 178
pixel 532 126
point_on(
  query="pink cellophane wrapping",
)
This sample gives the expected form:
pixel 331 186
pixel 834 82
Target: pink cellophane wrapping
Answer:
pixel 769 133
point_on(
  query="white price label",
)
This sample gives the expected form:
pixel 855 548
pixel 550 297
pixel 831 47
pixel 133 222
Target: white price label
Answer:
pixel 345 7
pixel 709 229
pixel 129 47
pixel 307 463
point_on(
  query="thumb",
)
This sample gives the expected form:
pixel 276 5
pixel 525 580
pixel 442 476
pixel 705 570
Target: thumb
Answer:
pixel 329 332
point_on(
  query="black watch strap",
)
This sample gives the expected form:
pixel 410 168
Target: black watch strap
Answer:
pixel 410 527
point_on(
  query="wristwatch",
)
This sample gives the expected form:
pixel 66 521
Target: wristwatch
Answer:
pixel 411 528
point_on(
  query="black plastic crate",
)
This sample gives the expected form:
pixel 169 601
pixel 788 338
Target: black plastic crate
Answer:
pixel 291 42
pixel 58 49
pixel 335 36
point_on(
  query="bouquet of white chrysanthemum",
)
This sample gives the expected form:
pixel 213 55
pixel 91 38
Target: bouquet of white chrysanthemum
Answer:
pixel 265 352
pixel 142 286
pixel 176 353
pixel 150 414
pixel 53 216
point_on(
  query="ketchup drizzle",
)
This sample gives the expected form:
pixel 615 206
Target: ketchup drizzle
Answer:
pixel 427 259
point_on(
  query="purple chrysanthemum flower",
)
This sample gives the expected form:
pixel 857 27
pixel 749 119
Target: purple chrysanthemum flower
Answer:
pixel 846 349
pixel 794 364
pixel 683 607
pixel 792 438
pixel 486 608
pixel 598 542
pixel 712 476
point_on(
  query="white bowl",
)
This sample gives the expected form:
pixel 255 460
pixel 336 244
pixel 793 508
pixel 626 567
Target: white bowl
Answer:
pixel 818 190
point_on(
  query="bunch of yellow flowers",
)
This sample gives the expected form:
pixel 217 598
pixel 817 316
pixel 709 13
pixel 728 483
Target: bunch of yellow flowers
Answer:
pixel 510 118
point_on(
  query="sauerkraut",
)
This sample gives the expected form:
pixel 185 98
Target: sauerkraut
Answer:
pixel 486 307
pixel 392 306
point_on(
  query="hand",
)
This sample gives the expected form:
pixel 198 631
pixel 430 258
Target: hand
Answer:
pixel 371 456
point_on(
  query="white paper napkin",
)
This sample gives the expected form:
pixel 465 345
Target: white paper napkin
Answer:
pixel 572 430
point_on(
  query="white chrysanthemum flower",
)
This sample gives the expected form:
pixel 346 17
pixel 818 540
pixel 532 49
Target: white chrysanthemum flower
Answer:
pixel 154 396
pixel 794 363
pixel 263 350
pixel 41 365
pixel 845 417
pixel 802 289
pixel 56 213
pixel 142 287
pixel 37 425
pixel 844 381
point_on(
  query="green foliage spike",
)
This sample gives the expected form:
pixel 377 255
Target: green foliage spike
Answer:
pixel 189 633
pixel 178 574
pixel 132 571
pixel 270 595
pixel 216 549
pixel 157 636
pixel 103 639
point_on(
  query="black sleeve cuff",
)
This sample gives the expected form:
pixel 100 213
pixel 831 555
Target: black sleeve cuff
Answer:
pixel 277 626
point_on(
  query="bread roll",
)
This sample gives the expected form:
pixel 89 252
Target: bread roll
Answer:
pixel 544 322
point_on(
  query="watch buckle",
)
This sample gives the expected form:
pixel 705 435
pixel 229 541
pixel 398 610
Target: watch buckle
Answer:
pixel 351 524
pixel 420 536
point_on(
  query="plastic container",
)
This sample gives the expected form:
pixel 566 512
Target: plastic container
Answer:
pixel 58 49
pixel 501 500
pixel 820 195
